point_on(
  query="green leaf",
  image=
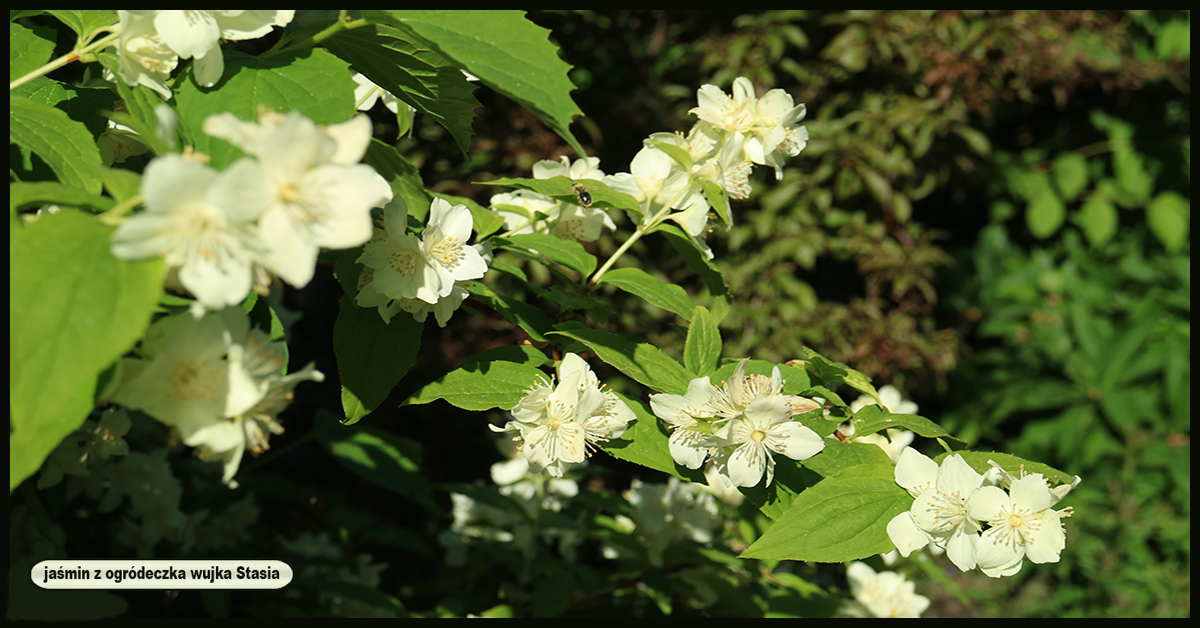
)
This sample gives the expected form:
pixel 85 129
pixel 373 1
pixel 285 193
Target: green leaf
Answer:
pixel 702 352
pixel 480 385
pixel 28 49
pixel 1098 219
pixel 313 82
pixel 1169 215
pixel 86 23
pixel 645 442
pixel 911 422
pixel 838 456
pixel 402 176
pixel 639 283
pixel 384 459
pixel 566 252
pixel 644 363
pixel 527 317
pixel 64 332
pixel 412 72
pixel 30 195
pixel 828 372
pixel 64 144
pixel 841 518
pixel 702 266
pixel 1070 173
pixel 372 355
pixel 719 202
pixel 1045 214
pixel 507 52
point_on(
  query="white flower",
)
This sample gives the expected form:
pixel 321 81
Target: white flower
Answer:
pixel 765 426
pixel 892 401
pixel 769 124
pixel 689 446
pixel 321 196
pixel 939 510
pixel 885 594
pixel 559 425
pixel 368 93
pixel 201 222
pixel 524 211
pixel 586 168
pixel 197 34
pixel 444 244
pixel 1021 524
pixel 399 274
pixel 145 59
pixel 665 513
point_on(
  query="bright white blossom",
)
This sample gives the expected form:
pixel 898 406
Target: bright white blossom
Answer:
pixel 197 34
pixel 738 425
pixel 768 124
pixel 320 195
pixel 215 380
pixel 560 425
pixel 525 211
pixel 1021 523
pixel 400 274
pixel 145 59
pixel 939 509
pixel 201 222
pixel 884 594
pixel 666 513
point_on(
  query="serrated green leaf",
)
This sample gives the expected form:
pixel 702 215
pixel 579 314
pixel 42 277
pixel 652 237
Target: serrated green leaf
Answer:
pixel 86 23
pixel 566 252
pixel 702 351
pixel 64 144
pixel 412 72
pixel 639 283
pixel 1169 215
pixel 480 385
pixel 911 422
pixel 702 266
pixel 313 82
pixel 507 52
pixel 28 49
pixel 384 459
pixel 372 355
pixel 642 362
pixel 827 372
pixel 402 176
pixel 63 333
pixel 527 317
pixel 843 517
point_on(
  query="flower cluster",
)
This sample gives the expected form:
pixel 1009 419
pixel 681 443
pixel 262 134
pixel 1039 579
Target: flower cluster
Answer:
pixel 665 513
pixel 560 425
pixel 529 212
pixel 223 233
pixel 677 172
pixel 217 381
pixel 897 439
pixel 738 425
pixel 152 42
pixel 416 275
pixel 530 494
pixel 883 594
pixel 977 522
